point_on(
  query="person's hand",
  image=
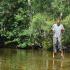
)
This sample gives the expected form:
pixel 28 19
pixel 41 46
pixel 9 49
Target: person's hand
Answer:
pixel 62 30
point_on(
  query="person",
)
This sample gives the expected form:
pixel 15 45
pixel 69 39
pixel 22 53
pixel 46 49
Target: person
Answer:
pixel 57 30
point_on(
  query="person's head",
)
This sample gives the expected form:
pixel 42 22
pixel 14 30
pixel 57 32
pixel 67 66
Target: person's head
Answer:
pixel 58 21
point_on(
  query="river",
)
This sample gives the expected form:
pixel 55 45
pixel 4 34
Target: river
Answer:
pixel 19 59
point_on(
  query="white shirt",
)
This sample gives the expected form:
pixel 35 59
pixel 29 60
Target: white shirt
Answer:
pixel 57 30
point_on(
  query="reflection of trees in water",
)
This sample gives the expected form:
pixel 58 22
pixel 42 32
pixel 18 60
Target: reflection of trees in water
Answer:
pixel 7 53
pixel 31 60
pixel 7 58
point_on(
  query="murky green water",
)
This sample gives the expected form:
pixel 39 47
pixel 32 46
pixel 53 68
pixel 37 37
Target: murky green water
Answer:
pixel 12 59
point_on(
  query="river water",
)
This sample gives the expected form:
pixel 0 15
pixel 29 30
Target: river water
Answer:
pixel 19 59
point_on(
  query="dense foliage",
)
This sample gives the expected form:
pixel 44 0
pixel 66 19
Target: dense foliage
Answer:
pixel 26 22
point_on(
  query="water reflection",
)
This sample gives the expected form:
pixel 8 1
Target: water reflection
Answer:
pixel 12 59
pixel 57 64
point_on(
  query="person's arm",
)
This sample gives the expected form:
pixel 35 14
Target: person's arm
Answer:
pixel 52 28
pixel 62 30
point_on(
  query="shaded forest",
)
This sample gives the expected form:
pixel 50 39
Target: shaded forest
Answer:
pixel 26 23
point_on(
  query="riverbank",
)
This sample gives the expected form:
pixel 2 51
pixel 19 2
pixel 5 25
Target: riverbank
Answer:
pixel 36 47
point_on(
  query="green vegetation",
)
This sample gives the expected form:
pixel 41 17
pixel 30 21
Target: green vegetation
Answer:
pixel 26 22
